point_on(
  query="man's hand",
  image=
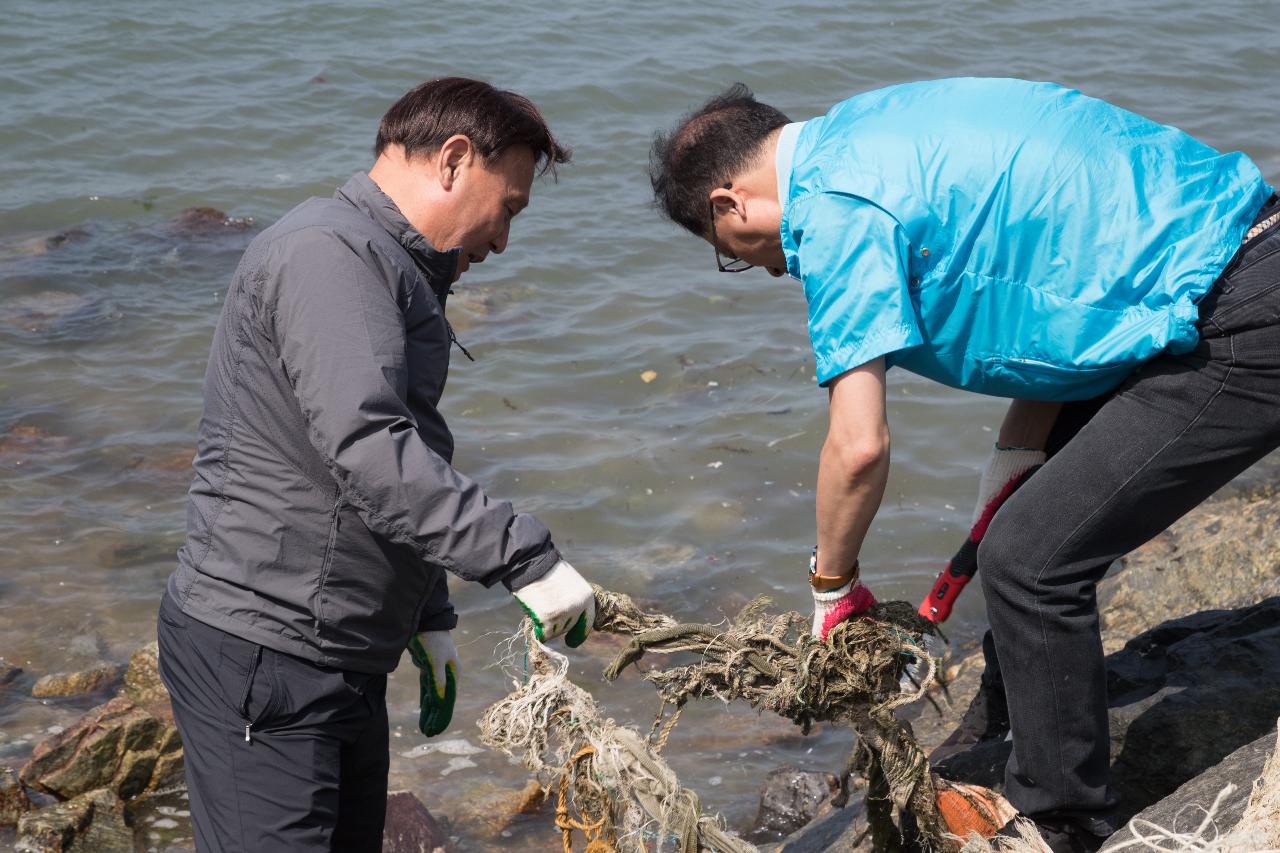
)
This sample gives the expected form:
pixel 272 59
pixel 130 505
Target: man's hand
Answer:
pixel 435 655
pixel 832 608
pixel 559 602
pixel 1006 470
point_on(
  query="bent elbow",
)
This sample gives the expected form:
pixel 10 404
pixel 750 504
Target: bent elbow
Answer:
pixel 856 458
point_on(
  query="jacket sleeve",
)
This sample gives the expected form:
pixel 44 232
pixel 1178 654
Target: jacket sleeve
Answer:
pixel 340 335
pixel 438 613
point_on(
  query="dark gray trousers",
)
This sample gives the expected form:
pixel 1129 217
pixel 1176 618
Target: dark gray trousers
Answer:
pixel 1125 468
pixel 281 754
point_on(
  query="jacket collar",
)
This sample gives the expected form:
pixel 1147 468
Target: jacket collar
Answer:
pixel 436 266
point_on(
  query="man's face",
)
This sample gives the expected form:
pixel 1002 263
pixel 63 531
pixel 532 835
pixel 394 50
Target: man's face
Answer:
pixel 485 197
pixel 748 229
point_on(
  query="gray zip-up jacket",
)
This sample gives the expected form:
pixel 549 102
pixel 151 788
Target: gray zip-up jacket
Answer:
pixel 324 509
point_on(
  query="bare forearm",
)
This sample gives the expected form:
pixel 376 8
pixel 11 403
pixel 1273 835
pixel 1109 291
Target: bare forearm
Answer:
pixel 850 487
pixel 1028 424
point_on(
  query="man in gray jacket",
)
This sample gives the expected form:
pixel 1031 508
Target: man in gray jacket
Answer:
pixel 324 509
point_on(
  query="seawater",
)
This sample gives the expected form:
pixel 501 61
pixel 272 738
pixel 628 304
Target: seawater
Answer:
pixel 692 491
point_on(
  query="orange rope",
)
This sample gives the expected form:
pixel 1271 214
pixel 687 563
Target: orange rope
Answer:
pixel 593 832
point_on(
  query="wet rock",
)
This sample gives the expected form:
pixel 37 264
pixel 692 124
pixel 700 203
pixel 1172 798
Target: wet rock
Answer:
pixel 63 684
pixel 91 823
pixel 410 828
pixel 142 684
pixel 8 673
pixel 791 797
pixel 199 221
pixel 1183 810
pixel 14 801
pixel 531 799
pixel 120 746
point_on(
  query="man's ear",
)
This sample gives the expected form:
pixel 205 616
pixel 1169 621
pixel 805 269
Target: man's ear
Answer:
pixel 456 152
pixel 725 200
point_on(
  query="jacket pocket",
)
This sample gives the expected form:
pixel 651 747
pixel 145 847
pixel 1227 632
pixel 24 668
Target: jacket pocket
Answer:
pixel 326 563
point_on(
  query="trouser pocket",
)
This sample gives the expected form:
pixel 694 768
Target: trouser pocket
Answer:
pixel 247 678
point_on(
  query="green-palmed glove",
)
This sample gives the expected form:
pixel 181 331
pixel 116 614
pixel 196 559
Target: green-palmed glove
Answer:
pixel 559 602
pixel 435 655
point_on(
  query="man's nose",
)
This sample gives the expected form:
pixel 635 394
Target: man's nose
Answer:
pixel 498 245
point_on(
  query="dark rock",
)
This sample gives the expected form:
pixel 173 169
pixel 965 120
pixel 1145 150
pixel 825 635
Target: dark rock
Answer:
pixel 62 684
pixel 1183 810
pixel 1183 695
pixel 14 801
pixel 120 746
pixel 410 828
pixel 838 831
pixel 1189 692
pixel 791 797
pixel 8 673
pixel 91 823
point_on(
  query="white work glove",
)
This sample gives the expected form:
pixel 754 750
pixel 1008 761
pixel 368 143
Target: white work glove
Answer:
pixel 832 608
pixel 559 602
pixel 435 655
pixel 1004 466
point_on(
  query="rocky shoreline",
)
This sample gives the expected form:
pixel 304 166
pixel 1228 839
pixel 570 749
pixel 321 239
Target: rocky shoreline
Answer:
pixel 1191 622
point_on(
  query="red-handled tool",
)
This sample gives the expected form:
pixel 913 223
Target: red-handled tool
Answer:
pixel 961 568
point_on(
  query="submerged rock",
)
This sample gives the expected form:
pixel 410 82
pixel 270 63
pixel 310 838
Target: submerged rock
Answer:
pixel 410 827
pixel 62 684
pixel 48 310
pixel 120 746
pixel 91 823
pixel 199 221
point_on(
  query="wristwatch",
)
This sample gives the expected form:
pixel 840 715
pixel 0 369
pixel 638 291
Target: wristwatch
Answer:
pixel 823 583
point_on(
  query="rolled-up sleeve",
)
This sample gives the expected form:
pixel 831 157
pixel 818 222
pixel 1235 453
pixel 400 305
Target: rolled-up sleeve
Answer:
pixel 340 334
pixel 852 262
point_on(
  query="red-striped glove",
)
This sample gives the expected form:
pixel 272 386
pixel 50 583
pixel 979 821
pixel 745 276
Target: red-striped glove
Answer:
pixel 832 608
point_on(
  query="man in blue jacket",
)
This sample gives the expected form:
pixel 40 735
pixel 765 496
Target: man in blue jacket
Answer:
pixel 325 510
pixel 1117 279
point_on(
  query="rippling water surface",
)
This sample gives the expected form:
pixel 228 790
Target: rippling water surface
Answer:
pixel 693 491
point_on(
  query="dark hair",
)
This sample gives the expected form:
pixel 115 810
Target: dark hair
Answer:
pixel 493 119
pixel 705 150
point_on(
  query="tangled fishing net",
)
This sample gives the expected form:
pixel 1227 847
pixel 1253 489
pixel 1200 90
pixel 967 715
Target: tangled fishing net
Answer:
pixel 615 788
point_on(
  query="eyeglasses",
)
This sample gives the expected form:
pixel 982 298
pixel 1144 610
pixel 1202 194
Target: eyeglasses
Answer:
pixel 734 264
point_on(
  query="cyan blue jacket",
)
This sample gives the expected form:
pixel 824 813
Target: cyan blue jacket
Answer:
pixel 1012 238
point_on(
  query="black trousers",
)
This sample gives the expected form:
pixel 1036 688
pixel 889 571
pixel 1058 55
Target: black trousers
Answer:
pixel 281 754
pixel 1123 468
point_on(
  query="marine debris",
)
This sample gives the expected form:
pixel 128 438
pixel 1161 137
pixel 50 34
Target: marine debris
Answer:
pixel 613 785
